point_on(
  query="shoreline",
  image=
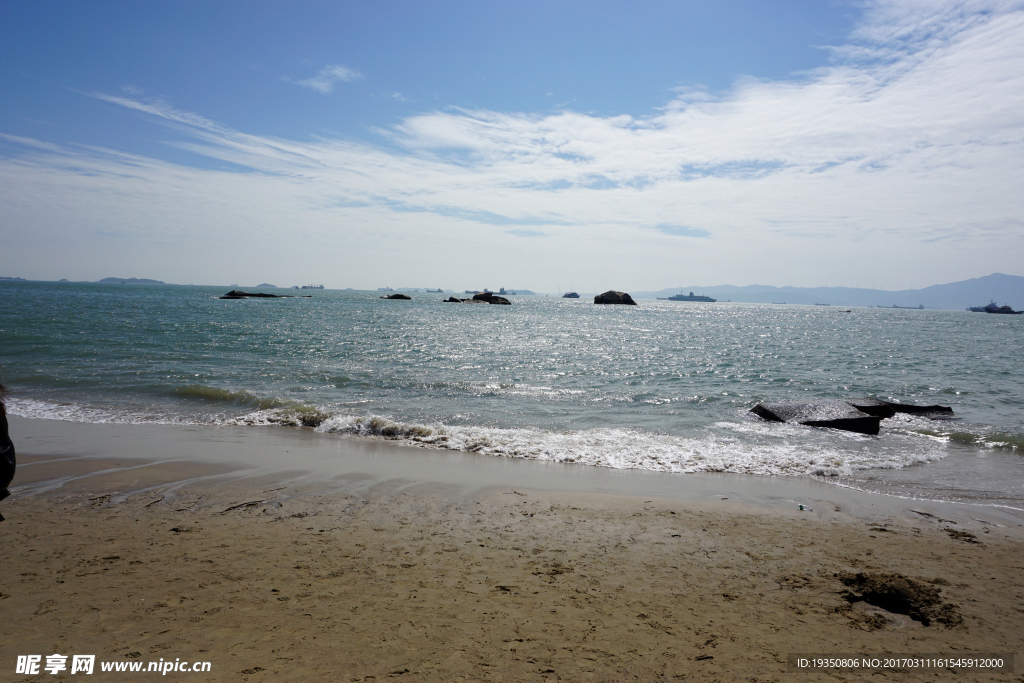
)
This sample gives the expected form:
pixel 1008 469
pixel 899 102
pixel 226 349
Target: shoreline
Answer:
pixel 301 456
pixel 356 561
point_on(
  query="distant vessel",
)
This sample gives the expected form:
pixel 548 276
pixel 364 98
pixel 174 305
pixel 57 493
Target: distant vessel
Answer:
pixel 822 304
pixel 687 297
pixel 992 308
pixel 436 291
pixel 916 308
pixel 384 289
pixel 570 295
pixel 502 291
pixel 312 286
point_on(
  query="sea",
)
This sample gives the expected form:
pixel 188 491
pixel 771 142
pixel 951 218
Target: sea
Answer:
pixel 663 386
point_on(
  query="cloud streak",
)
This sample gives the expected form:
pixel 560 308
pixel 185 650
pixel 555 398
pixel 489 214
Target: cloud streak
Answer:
pixel 328 77
pixel 909 146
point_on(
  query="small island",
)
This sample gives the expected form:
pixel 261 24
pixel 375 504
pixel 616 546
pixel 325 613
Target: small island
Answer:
pixel 131 281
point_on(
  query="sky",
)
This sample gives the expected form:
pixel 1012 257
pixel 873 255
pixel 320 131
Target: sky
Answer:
pixel 542 145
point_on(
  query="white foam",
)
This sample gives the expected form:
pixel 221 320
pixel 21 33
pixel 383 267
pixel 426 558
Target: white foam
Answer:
pixel 786 451
pixel 74 412
pixel 745 446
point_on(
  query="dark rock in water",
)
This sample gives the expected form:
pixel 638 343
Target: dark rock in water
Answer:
pixel 886 409
pixel 927 411
pixel 488 297
pixel 873 406
pixel 396 296
pixel 485 298
pixel 861 415
pixel 833 414
pixel 236 294
pixel 613 297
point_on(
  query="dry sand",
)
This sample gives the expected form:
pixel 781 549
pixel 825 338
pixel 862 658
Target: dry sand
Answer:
pixel 391 581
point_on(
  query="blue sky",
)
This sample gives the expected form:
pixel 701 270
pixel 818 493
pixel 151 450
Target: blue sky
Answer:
pixel 467 145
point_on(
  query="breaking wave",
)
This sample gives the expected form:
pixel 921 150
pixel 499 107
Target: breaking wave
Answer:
pixel 742 447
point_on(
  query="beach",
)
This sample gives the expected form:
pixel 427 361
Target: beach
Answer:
pixel 330 558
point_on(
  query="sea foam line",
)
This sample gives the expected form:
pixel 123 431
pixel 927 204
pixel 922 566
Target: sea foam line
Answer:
pixel 743 447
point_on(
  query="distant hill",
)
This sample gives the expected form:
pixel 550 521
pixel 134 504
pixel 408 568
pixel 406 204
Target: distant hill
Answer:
pixel 131 281
pixel 1005 289
pixel 20 279
pixel 267 285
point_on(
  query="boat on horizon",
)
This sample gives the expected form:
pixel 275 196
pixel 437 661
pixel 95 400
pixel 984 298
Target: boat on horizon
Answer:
pixel 570 295
pixel 914 308
pixel 688 297
pixel 991 307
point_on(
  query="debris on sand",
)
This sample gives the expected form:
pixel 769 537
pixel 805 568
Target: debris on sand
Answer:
pixel 899 594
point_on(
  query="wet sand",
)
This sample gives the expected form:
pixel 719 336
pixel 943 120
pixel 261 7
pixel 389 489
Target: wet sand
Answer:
pixel 286 556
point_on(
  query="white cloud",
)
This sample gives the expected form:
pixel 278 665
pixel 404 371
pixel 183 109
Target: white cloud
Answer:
pixel 898 165
pixel 328 77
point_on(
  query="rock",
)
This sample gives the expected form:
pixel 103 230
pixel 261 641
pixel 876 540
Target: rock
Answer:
pixel 613 297
pixel 886 409
pixel 237 294
pixel 488 298
pixel 396 296
pixel 861 415
pixel 927 411
pixel 873 406
pixel 833 414
pixel 452 300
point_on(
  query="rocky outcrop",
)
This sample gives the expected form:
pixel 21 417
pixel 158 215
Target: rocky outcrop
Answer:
pixel 834 414
pixel 482 298
pixel 237 294
pixel 886 409
pixel 861 415
pixel 492 298
pixel 397 296
pixel 613 297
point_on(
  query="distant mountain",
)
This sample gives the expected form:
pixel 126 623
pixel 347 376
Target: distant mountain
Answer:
pixel 132 281
pixel 20 279
pixel 1005 289
pixel 267 285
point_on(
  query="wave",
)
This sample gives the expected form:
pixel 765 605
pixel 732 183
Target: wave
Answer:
pixel 742 447
pixel 75 412
pixel 239 398
pixel 715 450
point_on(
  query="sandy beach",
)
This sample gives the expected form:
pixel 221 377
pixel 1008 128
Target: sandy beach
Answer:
pixel 347 561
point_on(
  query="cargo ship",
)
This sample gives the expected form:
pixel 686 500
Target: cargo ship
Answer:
pixel 688 297
pixel 992 308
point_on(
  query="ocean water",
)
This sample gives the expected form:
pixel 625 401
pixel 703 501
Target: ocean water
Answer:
pixel 664 386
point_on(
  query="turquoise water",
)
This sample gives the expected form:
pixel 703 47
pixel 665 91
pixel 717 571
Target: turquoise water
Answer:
pixel 663 386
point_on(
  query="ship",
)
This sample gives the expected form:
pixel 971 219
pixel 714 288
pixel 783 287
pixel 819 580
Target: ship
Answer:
pixel 570 295
pixel 312 286
pixel 688 297
pixel 992 308
pixel 913 308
